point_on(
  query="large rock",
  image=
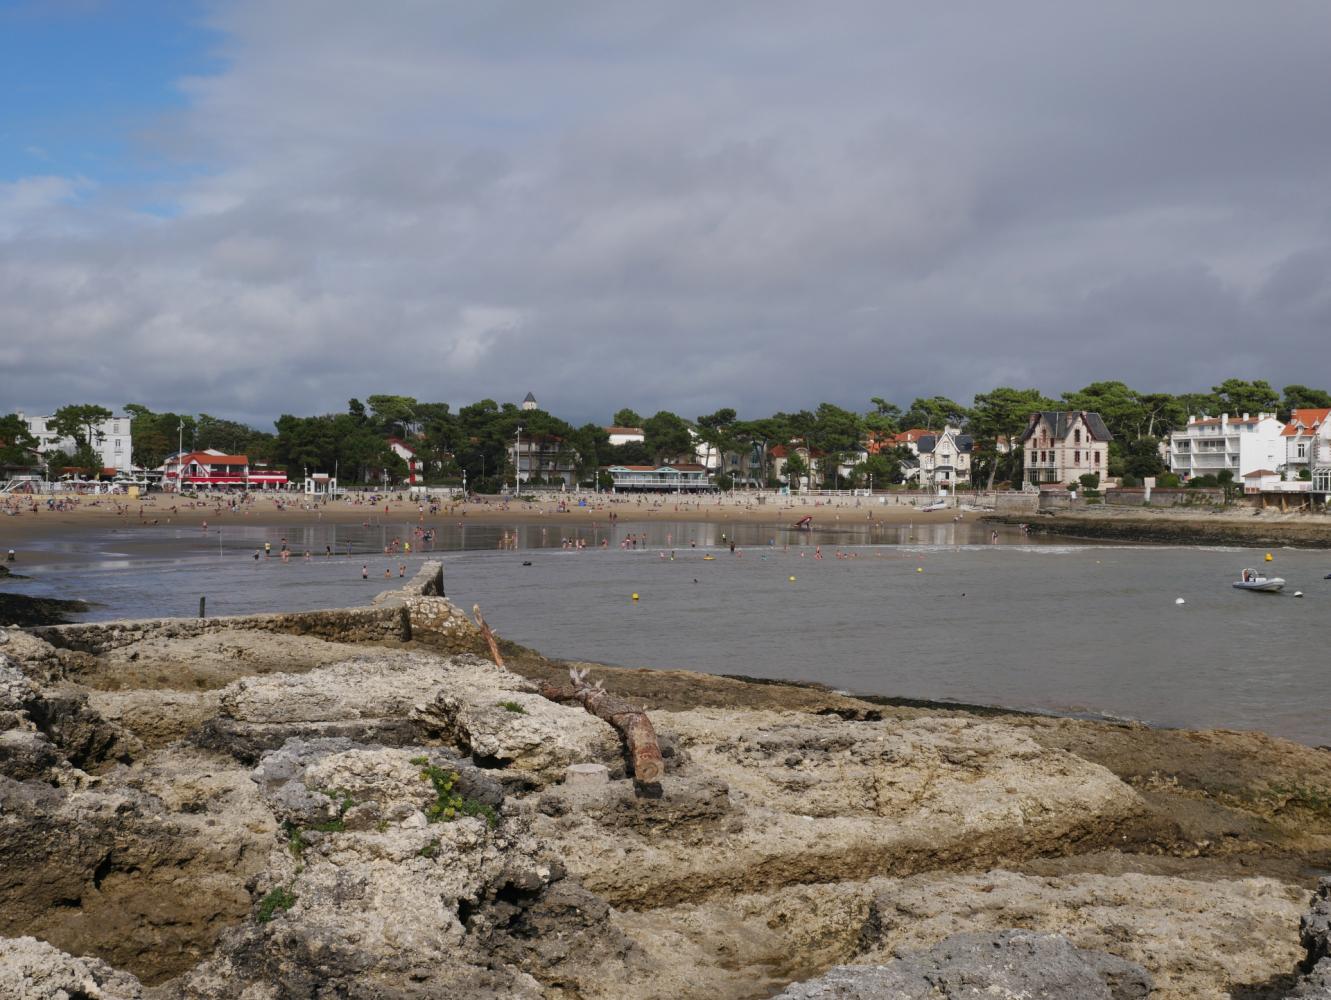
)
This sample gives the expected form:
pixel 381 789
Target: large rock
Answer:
pixel 816 800
pixel 1315 936
pixel 371 893
pixel 34 970
pixel 1009 965
pixel 1196 938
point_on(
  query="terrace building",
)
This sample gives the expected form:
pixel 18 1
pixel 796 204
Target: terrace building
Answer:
pixel 1238 445
pixel 688 478
pixel 111 441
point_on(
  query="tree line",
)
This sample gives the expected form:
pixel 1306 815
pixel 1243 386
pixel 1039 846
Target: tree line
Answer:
pixel 474 441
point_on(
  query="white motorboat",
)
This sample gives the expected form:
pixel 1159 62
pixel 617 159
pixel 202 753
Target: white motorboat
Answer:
pixel 1250 579
pixel 931 507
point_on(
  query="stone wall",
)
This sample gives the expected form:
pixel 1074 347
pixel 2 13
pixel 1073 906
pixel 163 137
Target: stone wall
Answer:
pixel 1016 502
pixel 417 611
pixel 1163 496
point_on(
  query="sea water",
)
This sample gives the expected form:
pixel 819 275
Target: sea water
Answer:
pixel 938 612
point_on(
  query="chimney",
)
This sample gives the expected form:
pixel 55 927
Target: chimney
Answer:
pixel 1224 419
pixel 1192 418
pixel 1245 418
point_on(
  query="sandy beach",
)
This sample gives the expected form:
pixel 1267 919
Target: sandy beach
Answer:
pixel 25 519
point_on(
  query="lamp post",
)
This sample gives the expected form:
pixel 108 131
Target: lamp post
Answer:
pixel 180 458
pixel 517 460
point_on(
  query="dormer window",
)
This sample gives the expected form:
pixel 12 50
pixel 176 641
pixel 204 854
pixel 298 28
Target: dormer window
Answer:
pixel 1076 437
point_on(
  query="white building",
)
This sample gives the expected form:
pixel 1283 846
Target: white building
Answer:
pixel 1241 445
pixel 945 457
pixel 529 402
pixel 625 435
pixel 111 440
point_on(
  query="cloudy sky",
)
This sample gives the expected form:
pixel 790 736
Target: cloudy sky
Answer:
pixel 268 206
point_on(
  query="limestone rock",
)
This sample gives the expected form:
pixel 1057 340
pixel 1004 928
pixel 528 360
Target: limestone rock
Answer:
pixel 34 970
pixel 1163 924
pixel 826 800
pixel 1016 965
pixel 496 720
pixel 1315 935
pixel 380 902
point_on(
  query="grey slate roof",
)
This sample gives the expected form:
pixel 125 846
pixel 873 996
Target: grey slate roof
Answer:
pixel 529 398
pixel 1061 422
pixel 927 443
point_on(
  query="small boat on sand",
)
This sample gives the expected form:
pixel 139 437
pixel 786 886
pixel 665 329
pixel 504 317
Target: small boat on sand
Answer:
pixel 931 507
pixel 1250 579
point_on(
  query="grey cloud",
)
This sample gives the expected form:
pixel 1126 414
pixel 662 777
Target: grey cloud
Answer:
pixel 685 206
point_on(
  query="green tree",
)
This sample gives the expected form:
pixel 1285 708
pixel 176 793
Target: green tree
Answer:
pixel 717 431
pixel 17 445
pixel 1236 396
pixel 667 436
pixel 884 418
pixel 886 467
pixel 998 420
pixel 393 414
pixel 79 422
pixel 626 418
pixel 1300 397
pixel 935 413
pixel 796 468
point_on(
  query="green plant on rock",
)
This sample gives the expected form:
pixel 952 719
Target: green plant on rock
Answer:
pixel 448 804
pixel 278 900
pixel 296 843
pixel 429 850
pixel 344 802
pixel 513 706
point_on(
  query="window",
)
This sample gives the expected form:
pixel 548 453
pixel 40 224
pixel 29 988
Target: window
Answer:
pixel 1076 458
pixel 1303 451
pixel 1097 458
pixel 1076 437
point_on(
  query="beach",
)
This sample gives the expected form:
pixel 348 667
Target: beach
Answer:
pixel 157 510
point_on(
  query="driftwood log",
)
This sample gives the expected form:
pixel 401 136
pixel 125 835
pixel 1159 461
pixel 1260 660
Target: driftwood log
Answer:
pixel 489 636
pixel 632 724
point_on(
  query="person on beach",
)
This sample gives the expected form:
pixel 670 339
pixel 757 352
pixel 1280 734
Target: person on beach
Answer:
pixel 365 571
pixel 267 550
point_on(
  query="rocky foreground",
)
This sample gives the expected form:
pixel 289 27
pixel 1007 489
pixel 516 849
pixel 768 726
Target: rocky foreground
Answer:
pixel 358 804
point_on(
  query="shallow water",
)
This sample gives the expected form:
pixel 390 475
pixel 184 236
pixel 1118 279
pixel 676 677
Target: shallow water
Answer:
pixel 937 612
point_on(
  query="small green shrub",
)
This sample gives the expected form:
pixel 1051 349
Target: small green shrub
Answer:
pixel 448 805
pixel 513 706
pixel 278 900
pixel 429 850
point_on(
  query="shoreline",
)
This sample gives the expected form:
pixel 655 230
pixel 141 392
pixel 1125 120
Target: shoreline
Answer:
pixel 1245 528
pixel 159 511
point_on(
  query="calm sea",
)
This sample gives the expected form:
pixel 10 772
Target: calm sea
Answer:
pixel 938 612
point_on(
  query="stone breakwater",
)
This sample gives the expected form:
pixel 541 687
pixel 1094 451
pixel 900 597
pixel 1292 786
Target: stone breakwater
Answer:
pixel 292 806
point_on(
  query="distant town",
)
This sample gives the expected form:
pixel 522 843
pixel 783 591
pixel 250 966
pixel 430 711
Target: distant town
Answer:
pixel 1240 436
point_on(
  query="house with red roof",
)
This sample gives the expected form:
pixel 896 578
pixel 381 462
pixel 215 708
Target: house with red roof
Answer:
pixel 211 469
pixel 404 451
pixel 1307 434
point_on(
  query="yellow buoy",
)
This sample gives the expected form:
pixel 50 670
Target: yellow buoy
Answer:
pixel 792 579
pixel 919 569
pixel 635 597
pixel 1269 557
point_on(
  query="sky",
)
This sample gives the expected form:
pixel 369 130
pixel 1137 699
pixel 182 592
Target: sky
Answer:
pixel 259 207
